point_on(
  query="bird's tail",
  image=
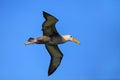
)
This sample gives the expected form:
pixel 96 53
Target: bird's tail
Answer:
pixel 30 41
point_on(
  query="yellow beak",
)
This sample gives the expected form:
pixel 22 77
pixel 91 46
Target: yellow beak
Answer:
pixel 75 40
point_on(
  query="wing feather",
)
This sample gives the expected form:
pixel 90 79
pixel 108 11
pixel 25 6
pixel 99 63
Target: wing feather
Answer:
pixel 56 57
pixel 48 26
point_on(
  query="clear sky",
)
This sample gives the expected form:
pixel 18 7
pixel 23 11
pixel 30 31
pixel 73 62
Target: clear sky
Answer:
pixel 96 23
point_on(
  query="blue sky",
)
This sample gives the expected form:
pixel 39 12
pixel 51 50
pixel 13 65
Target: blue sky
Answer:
pixel 96 23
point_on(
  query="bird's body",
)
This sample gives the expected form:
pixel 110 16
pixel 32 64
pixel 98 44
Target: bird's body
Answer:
pixel 51 38
pixel 47 40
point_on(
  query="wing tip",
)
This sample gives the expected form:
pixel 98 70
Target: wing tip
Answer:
pixel 46 14
pixel 51 71
pixel 49 74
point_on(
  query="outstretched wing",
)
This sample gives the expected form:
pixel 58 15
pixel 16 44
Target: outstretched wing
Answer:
pixel 48 26
pixel 56 57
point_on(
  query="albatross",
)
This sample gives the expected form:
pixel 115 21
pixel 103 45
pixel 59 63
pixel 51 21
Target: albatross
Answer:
pixel 51 38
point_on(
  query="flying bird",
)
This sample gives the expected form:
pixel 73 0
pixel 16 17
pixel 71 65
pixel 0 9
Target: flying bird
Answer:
pixel 51 38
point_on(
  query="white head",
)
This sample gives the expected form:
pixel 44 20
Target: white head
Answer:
pixel 70 38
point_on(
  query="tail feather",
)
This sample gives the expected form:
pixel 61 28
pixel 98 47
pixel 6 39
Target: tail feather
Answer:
pixel 31 39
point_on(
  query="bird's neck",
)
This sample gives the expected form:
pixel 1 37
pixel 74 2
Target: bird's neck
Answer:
pixel 65 38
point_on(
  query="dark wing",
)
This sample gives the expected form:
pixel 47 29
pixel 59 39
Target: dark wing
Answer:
pixel 48 26
pixel 56 57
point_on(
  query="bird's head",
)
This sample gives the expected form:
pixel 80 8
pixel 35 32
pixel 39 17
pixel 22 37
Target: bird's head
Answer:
pixel 70 38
